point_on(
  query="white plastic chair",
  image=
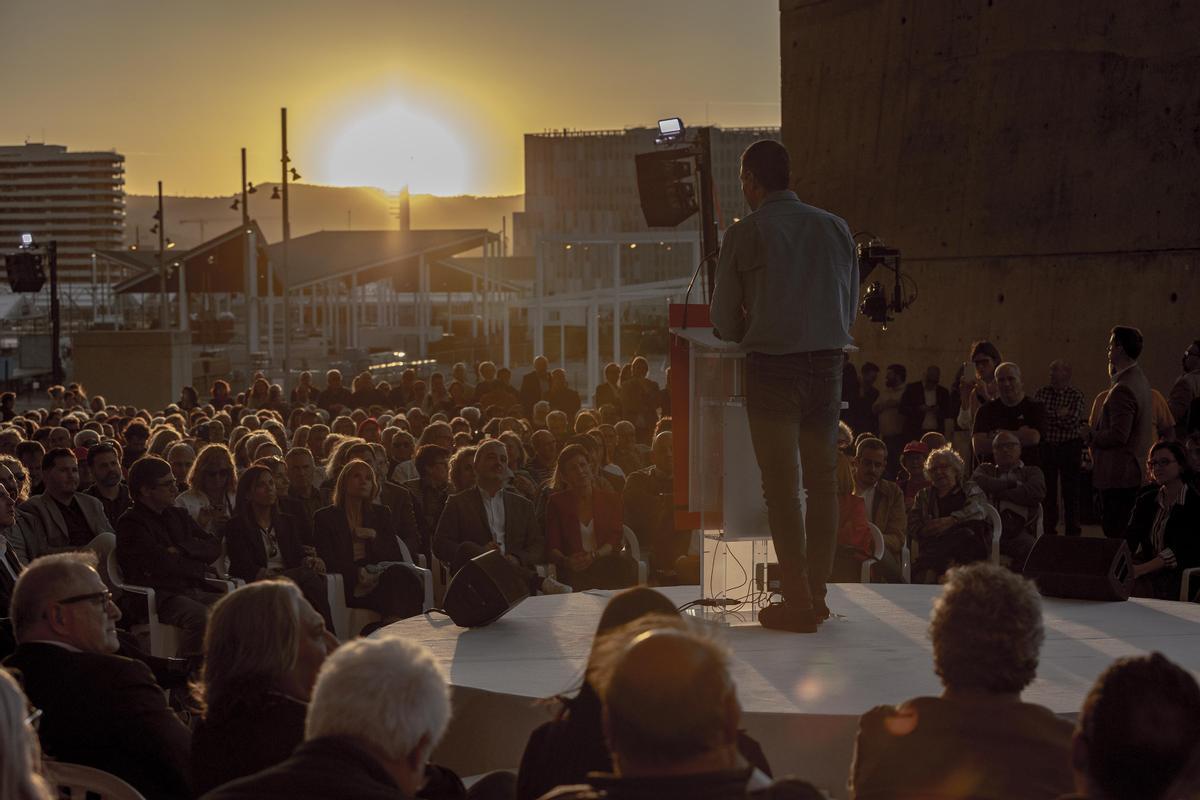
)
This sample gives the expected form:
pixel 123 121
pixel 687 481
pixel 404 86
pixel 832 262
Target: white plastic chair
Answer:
pixel 348 621
pixel 997 530
pixel 1185 579
pixel 76 780
pixel 1041 521
pixel 877 540
pixel 635 552
pixel 906 562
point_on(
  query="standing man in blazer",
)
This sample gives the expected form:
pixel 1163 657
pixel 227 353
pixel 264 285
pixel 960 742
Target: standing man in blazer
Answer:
pixel 925 405
pixel 98 709
pixel 1123 433
pixel 70 519
pixel 885 505
pixel 490 517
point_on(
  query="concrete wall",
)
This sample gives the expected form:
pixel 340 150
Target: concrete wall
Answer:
pixel 145 368
pixel 1035 162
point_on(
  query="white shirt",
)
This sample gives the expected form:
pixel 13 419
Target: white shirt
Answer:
pixel 930 421
pixel 587 535
pixel 405 471
pixel 868 498
pixel 493 506
pixel 4 560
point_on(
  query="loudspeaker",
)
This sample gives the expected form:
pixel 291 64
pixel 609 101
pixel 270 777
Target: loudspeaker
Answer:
pixel 25 272
pixel 1081 568
pixel 665 187
pixel 484 590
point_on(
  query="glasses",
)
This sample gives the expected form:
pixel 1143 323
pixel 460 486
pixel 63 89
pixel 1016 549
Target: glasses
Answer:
pixel 34 718
pixel 166 483
pixel 1159 463
pixel 104 598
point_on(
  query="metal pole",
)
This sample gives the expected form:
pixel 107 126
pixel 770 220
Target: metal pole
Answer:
pixel 251 257
pixel 162 267
pixel 283 276
pixel 708 219
pixel 56 366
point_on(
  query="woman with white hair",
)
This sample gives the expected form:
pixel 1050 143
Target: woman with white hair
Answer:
pixel 20 753
pixel 948 520
pixel 262 650
pixel 978 738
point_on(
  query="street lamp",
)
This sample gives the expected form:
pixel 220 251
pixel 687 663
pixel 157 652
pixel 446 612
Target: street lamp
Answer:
pixel 287 172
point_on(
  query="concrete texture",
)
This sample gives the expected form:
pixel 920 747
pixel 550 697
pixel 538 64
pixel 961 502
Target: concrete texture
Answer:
pixel 1036 163
pixel 147 367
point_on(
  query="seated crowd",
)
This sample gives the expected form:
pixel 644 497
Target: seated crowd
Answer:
pixel 258 522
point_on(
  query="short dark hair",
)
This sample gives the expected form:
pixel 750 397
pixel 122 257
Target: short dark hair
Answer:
pixel 870 365
pixel 768 161
pixel 55 454
pixel 136 428
pixel 28 447
pixel 97 450
pixel 1130 339
pixel 984 347
pixel 900 370
pixel 426 455
pixel 1139 724
pixel 145 472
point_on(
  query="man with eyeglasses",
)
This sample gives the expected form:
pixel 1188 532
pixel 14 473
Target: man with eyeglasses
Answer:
pixel 159 545
pixel 70 519
pixel 98 709
pixel 109 484
pixel 1016 490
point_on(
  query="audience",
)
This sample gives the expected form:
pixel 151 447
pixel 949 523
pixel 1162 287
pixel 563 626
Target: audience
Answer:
pixel 20 753
pixel 113 716
pixel 1061 448
pixel 1165 523
pixel 884 502
pixel 108 481
pixel 978 739
pixel 1011 411
pixel 947 520
pixel 68 518
pixel 1137 731
pixel 1016 491
pixel 263 648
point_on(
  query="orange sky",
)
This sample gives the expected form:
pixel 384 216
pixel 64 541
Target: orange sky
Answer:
pixel 438 93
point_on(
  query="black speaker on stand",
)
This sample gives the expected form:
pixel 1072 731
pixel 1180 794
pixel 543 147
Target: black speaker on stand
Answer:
pixel 484 590
pixel 1081 567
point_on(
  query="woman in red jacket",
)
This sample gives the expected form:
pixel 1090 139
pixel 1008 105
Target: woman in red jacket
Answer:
pixel 583 528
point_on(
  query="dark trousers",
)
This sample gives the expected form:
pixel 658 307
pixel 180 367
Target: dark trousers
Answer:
pixel 1060 464
pixel 792 402
pixel 613 571
pixel 1115 507
pixel 187 610
pixel 399 594
pixel 895 446
pixel 313 587
pixel 468 550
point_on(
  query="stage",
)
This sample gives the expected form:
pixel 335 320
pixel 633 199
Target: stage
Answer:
pixel 801 694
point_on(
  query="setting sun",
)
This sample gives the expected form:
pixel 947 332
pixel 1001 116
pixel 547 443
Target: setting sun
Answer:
pixel 393 144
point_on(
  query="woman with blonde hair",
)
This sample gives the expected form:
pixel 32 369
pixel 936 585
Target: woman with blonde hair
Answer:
pixel 262 650
pixel 355 538
pixel 20 752
pixel 211 497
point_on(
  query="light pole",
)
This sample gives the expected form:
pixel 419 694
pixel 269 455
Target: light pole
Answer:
pixel 249 253
pixel 287 173
pixel 162 266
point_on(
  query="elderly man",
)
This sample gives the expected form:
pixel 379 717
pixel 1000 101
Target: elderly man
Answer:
pixel 335 396
pixel 627 455
pixel 490 517
pixel 561 396
pixel 378 710
pixel 639 398
pixel 1013 411
pixel 1062 447
pixel 302 494
pixel 1137 731
pixel 1124 430
pixel 109 484
pixel 609 392
pixel 987 634
pixel 98 709
pixel 671 716
pixel 885 505
pixel 1016 490
pixel 69 519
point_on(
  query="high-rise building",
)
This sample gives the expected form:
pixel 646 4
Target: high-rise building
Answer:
pixel 584 183
pixel 76 199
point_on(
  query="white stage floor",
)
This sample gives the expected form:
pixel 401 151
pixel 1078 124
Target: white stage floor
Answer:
pixel 801 694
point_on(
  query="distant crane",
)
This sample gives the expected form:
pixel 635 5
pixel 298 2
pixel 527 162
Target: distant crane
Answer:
pixel 201 223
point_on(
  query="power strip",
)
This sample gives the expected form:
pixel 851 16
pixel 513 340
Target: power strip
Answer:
pixel 769 574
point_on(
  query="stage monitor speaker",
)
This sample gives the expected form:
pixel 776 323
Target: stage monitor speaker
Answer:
pixel 1081 567
pixel 665 187
pixel 25 272
pixel 484 590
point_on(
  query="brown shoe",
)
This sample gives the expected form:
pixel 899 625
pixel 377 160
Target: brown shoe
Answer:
pixel 784 617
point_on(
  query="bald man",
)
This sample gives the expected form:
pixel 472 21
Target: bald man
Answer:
pixel 1016 490
pixel 1012 411
pixel 671 715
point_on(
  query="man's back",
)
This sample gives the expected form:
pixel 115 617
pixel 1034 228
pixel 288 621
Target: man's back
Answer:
pixel 727 785
pixel 106 712
pixel 793 267
pixel 319 769
pixel 997 748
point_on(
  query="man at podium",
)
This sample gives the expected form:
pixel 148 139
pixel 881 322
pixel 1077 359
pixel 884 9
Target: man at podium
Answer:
pixel 786 290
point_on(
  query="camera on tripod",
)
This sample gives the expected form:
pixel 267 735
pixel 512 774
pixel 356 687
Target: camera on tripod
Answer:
pixel 876 305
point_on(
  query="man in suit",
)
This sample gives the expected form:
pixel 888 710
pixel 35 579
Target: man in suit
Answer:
pixel 429 492
pixel 69 519
pixel 10 570
pixel 925 405
pixel 489 517
pixel 159 545
pixel 399 501
pixel 109 487
pixel 1123 433
pixel 609 392
pixel 98 709
pixel 885 505
pixel 535 385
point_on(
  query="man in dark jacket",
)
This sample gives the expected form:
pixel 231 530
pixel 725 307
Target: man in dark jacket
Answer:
pixel 671 715
pixel 925 405
pixel 535 385
pixel 353 747
pixel 98 709
pixel 160 546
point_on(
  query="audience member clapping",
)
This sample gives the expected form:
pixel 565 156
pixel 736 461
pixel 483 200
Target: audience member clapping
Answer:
pixel 978 739
pixel 263 648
